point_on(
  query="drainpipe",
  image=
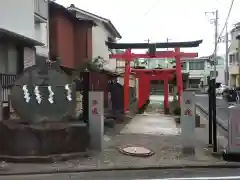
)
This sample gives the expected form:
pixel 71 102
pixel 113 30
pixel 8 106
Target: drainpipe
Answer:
pixel 238 49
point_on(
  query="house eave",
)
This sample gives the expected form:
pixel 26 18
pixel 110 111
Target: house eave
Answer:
pixel 95 17
pixel 26 41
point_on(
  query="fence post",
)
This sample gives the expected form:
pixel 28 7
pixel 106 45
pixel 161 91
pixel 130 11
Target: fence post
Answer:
pixel 1 103
pixel 210 111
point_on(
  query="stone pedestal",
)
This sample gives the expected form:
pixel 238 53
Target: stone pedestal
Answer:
pixel 21 140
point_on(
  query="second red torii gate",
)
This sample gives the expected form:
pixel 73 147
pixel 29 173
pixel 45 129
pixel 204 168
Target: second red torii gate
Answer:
pixel 145 76
pixel 128 56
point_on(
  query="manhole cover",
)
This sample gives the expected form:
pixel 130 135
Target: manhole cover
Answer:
pixel 136 151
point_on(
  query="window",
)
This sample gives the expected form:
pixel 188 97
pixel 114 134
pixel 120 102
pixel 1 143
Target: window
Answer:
pixel 184 66
pixel 194 83
pixel 237 57
pixel 230 58
pixel 196 65
pixel 211 73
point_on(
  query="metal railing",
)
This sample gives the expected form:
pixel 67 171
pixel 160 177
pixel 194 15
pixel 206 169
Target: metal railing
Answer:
pixel 6 81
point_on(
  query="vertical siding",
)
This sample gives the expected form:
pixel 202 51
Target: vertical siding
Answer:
pixel 53 40
pixel 65 36
pixel 99 82
pixel 70 39
pixel 83 42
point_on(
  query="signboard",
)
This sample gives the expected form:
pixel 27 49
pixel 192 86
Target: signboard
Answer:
pixel 96 119
pixel 188 120
pixel 29 57
pixel 234 130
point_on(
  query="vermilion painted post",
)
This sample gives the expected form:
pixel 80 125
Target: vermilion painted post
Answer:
pixel 147 88
pixel 165 94
pixel 140 92
pixel 128 58
pixel 178 74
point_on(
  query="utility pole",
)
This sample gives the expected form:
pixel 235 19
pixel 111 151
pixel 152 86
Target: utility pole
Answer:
pixel 212 94
pixel 238 61
pixel 167 42
pixel 148 40
pixel 214 85
pixel 226 57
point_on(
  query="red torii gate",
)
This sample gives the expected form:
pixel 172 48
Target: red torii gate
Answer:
pixel 145 75
pixel 128 56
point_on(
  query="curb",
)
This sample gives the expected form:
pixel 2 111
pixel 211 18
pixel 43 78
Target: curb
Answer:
pixel 59 171
pixel 206 113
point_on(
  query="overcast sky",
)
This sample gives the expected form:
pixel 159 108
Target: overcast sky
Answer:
pixel 178 20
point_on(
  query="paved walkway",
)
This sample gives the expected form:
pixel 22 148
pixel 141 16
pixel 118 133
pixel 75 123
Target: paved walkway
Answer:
pixel 154 124
pixel 157 98
pixel 156 132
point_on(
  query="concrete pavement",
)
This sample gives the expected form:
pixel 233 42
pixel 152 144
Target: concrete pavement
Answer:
pixel 156 132
pixel 222 109
pixel 157 174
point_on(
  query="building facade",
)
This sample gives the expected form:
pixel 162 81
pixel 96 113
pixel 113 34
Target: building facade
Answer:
pixel 70 38
pixel 24 30
pixel 234 70
pixel 19 38
pixel 101 33
pixel 41 28
pixel 198 69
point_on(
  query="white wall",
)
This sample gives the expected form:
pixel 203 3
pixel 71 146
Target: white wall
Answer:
pixel 221 73
pixel 17 16
pixel 8 59
pixel 99 37
pixel 41 35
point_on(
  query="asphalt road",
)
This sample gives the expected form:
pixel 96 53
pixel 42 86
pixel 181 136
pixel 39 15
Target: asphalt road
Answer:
pixel 157 174
pixel 222 109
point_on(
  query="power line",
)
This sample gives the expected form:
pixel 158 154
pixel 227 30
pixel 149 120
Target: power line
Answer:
pixel 151 8
pixel 226 21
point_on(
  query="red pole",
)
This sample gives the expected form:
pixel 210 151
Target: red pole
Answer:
pixel 126 84
pixel 178 74
pixel 165 94
pixel 144 87
pixel 147 88
pixel 140 92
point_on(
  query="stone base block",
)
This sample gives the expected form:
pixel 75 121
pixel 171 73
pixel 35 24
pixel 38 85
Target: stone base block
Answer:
pixel 19 140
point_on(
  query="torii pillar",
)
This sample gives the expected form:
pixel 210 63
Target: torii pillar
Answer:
pixel 178 74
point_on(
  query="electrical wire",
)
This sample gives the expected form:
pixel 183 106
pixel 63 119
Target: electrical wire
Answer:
pixel 226 21
pixel 151 7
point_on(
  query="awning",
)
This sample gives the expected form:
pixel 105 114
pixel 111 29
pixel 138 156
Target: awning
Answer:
pixel 18 38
